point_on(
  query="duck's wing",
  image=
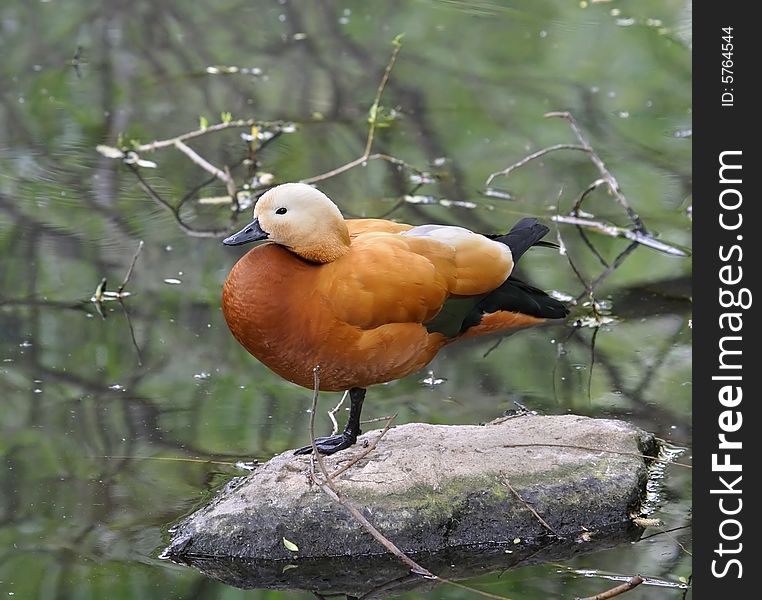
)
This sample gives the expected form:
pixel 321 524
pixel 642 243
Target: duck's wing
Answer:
pixel 361 226
pixel 381 281
pixel 478 306
pixel 408 277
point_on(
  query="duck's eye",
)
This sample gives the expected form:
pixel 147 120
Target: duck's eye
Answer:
pixel 281 211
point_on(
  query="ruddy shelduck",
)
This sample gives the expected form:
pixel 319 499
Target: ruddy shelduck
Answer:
pixel 369 300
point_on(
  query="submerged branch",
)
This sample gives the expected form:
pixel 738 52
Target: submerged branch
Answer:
pixel 631 583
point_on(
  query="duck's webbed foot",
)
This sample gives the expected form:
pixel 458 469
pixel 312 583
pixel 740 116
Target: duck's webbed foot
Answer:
pixel 334 443
pixel 330 444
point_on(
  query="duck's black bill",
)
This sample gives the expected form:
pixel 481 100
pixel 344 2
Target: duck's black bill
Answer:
pixel 251 233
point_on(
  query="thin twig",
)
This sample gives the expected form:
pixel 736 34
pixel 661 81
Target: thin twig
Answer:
pixel 397 45
pixel 593 186
pixel 493 347
pixel 313 410
pixel 633 582
pixel 592 364
pixel 630 234
pixel 638 234
pixel 539 153
pixel 359 161
pixel 373 123
pixel 334 410
pixel 132 330
pixel 613 184
pixel 175 213
pixel 159 144
pixel 365 452
pixel 120 289
pixel 195 190
pixel 665 532
pixel 529 506
pixel 205 461
pixel 328 486
pixel 232 191
pixel 201 161
pixel 587 289
pixel 668 533
pixel 590 288
pixel 575 212
pixel 560 351
pixel 378 419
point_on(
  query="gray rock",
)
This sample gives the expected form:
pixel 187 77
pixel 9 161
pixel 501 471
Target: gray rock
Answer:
pixel 430 489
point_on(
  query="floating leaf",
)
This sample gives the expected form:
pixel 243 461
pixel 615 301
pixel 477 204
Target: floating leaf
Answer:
pixel 290 545
pixel 99 291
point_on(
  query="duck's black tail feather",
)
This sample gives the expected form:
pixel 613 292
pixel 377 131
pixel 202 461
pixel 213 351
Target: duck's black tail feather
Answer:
pixel 518 297
pixel 513 296
pixel 523 235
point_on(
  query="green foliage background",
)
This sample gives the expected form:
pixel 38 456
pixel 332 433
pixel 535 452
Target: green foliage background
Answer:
pixel 99 451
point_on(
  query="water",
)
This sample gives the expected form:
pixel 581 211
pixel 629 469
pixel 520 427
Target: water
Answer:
pixel 120 416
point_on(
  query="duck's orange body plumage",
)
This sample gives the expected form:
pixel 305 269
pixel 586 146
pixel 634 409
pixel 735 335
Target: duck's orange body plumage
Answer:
pixel 367 299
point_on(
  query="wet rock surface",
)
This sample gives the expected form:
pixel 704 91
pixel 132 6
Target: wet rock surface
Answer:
pixel 435 491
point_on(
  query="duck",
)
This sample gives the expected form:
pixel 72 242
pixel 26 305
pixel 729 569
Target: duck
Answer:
pixel 369 301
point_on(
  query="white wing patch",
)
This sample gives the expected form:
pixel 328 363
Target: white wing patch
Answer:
pixel 459 238
pixel 482 263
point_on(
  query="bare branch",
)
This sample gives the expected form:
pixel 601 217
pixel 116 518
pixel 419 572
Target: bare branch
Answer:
pixel 612 230
pixel 509 169
pixel 334 410
pixel 613 184
pixel 328 486
pixel 175 211
pixel 382 84
pixel 373 113
pixel 120 289
pixel 367 450
pixel 159 144
pixel 529 506
pixel 633 582
pixel 201 162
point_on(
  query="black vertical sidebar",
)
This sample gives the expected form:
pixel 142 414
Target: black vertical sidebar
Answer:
pixel 727 257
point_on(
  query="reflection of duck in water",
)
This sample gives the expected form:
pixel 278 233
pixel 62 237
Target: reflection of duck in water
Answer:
pixel 368 300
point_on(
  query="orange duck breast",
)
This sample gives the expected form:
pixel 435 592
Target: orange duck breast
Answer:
pixel 368 300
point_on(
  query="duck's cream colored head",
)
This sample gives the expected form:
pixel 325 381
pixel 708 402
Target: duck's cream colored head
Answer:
pixel 301 218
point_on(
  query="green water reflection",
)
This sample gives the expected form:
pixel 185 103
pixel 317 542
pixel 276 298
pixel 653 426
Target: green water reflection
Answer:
pixel 112 428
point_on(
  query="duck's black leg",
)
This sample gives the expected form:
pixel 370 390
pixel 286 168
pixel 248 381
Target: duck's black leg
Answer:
pixel 334 443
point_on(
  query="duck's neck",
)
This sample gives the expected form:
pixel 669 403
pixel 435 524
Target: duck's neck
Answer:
pixel 326 249
pixel 321 254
